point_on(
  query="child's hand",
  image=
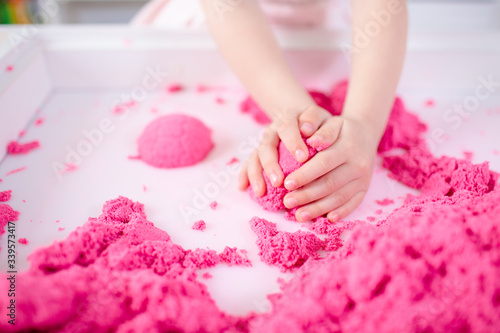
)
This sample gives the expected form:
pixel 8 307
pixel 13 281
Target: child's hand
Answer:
pixel 289 127
pixel 335 180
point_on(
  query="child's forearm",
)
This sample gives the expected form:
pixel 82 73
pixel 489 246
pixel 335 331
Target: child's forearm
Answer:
pixel 246 42
pixel 376 67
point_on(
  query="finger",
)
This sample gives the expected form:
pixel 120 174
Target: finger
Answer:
pixel 316 167
pixel 343 211
pixel 320 187
pixel 268 156
pixel 327 134
pixel 288 131
pixel 255 175
pixel 328 203
pixel 311 119
pixel 243 177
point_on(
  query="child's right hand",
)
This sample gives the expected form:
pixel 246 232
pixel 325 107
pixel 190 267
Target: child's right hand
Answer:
pixel 288 126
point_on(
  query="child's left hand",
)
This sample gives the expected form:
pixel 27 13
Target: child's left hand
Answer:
pixel 335 180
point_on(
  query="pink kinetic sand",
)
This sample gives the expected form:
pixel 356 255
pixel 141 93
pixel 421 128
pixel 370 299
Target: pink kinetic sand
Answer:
pixel 430 102
pixel 284 249
pixel 174 88
pixel 7 214
pixel 435 271
pixel 119 273
pixel 273 198
pixel 70 167
pixel 5 195
pixel 16 148
pixel 289 251
pixel 432 265
pixel 174 141
pixel 249 106
pixel 23 241
pixel 384 202
pixel 199 225
pixel 16 170
pixel 213 205
pixel 234 257
pixel 123 107
pixel 469 155
pixel 233 160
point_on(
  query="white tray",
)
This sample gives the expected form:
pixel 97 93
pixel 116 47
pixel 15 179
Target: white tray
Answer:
pixel 71 77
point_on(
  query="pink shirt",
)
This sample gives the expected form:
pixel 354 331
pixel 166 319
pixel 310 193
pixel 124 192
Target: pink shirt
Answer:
pixel 296 13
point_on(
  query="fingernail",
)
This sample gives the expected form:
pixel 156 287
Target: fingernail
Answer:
pixel 300 155
pixel 334 218
pixel 256 190
pixel 290 202
pixel 317 142
pixel 304 216
pixel 290 184
pixel 306 128
pixel 274 178
pixel 315 139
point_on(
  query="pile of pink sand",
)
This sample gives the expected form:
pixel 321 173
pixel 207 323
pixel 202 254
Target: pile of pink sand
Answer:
pixel 118 272
pixel 432 266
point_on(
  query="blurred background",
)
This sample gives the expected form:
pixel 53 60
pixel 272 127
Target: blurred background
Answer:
pixel 424 14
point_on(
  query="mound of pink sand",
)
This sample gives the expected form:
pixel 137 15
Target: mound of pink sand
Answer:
pixel 433 265
pixel 174 141
pixel 284 249
pixel 118 273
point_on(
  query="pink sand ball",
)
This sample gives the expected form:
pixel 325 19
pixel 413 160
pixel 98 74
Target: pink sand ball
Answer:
pixel 174 141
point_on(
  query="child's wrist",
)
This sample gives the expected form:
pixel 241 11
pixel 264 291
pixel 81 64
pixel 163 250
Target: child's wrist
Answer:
pixel 374 127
